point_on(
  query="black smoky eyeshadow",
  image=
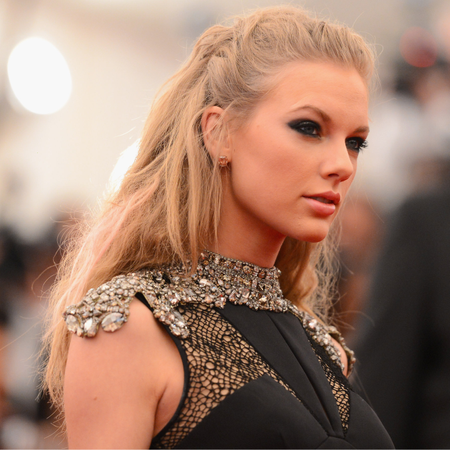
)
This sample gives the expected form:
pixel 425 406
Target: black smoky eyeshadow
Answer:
pixel 361 143
pixel 306 127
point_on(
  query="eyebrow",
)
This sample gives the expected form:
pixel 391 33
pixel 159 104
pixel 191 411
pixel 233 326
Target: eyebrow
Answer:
pixel 326 118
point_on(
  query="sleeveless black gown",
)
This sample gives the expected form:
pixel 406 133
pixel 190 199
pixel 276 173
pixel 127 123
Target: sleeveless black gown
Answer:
pixel 254 379
pixel 259 373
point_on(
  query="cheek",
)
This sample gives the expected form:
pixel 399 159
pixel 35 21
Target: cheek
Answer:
pixel 259 184
pixel 256 160
pixel 266 176
pixel 267 152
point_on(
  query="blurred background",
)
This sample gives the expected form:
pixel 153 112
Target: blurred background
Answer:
pixel 77 78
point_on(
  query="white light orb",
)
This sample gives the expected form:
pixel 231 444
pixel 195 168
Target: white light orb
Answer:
pixel 39 76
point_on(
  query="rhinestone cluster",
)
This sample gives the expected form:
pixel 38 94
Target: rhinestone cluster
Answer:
pixel 225 279
pixel 107 306
pixel 217 280
pixel 323 334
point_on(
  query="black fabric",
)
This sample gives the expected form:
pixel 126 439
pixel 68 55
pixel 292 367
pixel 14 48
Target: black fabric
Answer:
pixel 405 331
pixel 265 387
pixel 255 416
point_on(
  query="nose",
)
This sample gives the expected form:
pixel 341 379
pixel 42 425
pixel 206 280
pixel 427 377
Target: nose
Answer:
pixel 339 163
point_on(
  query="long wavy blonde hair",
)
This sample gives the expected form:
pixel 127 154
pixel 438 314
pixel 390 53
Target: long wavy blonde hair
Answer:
pixel 167 208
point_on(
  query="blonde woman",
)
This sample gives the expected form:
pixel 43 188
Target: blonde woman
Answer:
pixel 186 332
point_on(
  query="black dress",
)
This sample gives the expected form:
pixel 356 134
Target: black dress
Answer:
pixel 254 376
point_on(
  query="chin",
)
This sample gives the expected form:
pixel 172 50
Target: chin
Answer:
pixel 314 236
pixel 315 239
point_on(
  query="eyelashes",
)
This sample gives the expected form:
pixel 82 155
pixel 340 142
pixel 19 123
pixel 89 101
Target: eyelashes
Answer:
pixel 357 144
pixel 313 129
pixel 305 127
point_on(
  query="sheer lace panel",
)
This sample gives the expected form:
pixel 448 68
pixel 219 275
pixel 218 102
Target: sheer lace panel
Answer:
pixel 220 362
pixel 338 382
pixel 215 370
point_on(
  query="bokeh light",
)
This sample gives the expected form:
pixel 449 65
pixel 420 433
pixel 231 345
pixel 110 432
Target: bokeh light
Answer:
pixel 418 47
pixel 39 76
pixel 125 161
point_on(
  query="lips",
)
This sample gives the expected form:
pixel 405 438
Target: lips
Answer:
pixel 329 197
pixel 322 199
pixel 323 204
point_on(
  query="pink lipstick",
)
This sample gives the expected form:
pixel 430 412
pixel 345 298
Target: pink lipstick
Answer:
pixel 324 203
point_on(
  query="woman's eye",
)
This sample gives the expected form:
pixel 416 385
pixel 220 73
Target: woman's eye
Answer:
pixel 356 144
pixel 306 127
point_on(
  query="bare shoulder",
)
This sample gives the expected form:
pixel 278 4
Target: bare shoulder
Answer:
pixel 115 381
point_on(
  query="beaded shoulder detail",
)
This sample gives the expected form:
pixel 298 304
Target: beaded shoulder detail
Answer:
pixel 217 280
pixel 108 305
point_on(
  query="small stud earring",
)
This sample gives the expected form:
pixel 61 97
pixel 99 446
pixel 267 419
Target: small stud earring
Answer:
pixel 223 161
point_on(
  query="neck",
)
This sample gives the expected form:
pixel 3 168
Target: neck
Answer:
pixel 244 238
pixel 245 251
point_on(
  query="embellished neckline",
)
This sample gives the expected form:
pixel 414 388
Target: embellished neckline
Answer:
pixel 239 282
pixel 244 269
pixel 217 280
pixel 259 288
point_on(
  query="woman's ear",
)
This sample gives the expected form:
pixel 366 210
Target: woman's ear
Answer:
pixel 215 134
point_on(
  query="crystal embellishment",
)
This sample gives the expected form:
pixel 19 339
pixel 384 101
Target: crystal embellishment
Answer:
pixel 217 280
pixel 113 322
pixel 73 325
pixel 90 327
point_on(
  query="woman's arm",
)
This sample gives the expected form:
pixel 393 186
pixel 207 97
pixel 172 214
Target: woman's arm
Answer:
pixel 121 388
